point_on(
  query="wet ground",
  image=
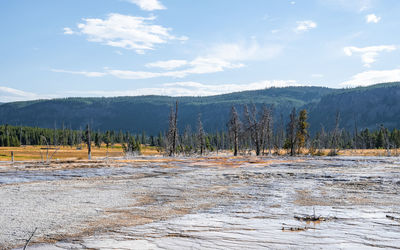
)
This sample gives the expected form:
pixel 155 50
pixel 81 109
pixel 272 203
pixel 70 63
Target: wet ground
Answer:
pixel 216 203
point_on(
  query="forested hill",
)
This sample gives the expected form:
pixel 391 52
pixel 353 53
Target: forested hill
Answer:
pixel 373 105
pixel 364 107
pixel 150 113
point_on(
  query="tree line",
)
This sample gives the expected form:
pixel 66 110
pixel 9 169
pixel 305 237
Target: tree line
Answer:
pixel 249 129
pixel 253 130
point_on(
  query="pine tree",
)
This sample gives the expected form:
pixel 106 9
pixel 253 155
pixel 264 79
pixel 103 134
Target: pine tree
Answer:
pixel 302 133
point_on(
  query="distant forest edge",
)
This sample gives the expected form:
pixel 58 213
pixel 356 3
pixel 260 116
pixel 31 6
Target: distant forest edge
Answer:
pixel 364 107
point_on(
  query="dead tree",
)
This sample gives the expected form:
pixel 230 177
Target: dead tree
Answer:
pixel 386 139
pixel 259 128
pixel 172 135
pixel 356 144
pixel 47 148
pixel 252 126
pixel 280 135
pixel 335 136
pixel 88 142
pixel 266 128
pixel 200 136
pixel 291 131
pixel 234 126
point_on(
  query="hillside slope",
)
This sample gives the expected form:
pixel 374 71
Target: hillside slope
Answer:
pixel 368 106
pixel 150 113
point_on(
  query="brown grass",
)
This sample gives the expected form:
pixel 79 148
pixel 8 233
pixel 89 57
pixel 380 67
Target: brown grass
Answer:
pixel 32 153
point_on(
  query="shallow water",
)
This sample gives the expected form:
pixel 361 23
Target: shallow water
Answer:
pixel 253 206
pixel 20 176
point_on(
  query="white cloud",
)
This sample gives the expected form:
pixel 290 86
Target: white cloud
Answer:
pixel 292 2
pixel 68 31
pixel 168 65
pixel 251 51
pixel 208 89
pixel 11 95
pixel 369 54
pixel 84 73
pixel 372 18
pixel 216 59
pixel 192 89
pixel 148 5
pixel 200 65
pixel 170 89
pixel 305 25
pixel 205 65
pixel 128 32
pixel 373 77
pixel 132 75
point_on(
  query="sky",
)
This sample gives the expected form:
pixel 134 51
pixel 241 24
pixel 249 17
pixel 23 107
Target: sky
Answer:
pixel 65 48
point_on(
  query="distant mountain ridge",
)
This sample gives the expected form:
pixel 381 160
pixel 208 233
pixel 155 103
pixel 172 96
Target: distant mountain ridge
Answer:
pixel 364 107
pixel 367 106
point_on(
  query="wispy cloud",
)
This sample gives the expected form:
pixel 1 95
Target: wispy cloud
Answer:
pixel 84 73
pixel 372 18
pixel 200 65
pixel 128 32
pixel 11 95
pixel 244 51
pixel 216 59
pixel 191 89
pixel 68 31
pixel 168 65
pixel 169 89
pixel 368 54
pixel 373 77
pixel 148 5
pixel 207 89
pixel 305 25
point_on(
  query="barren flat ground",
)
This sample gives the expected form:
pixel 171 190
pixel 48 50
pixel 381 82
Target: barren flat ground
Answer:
pixel 202 203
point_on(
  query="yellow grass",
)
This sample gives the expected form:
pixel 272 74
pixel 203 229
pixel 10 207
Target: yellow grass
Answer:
pixel 33 153
pixel 26 153
pixel 347 152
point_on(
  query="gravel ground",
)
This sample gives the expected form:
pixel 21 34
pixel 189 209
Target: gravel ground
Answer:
pixel 112 197
pixel 204 203
pixel 57 207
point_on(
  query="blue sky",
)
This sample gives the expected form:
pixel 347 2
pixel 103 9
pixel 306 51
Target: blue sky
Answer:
pixel 66 48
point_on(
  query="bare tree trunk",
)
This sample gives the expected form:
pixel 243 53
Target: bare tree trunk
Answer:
pixel 172 135
pixel 254 127
pixel 291 132
pixel 234 125
pixel 335 136
pixel 175 137
pixel 200 135
pixel 386 138
pixel 89 142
